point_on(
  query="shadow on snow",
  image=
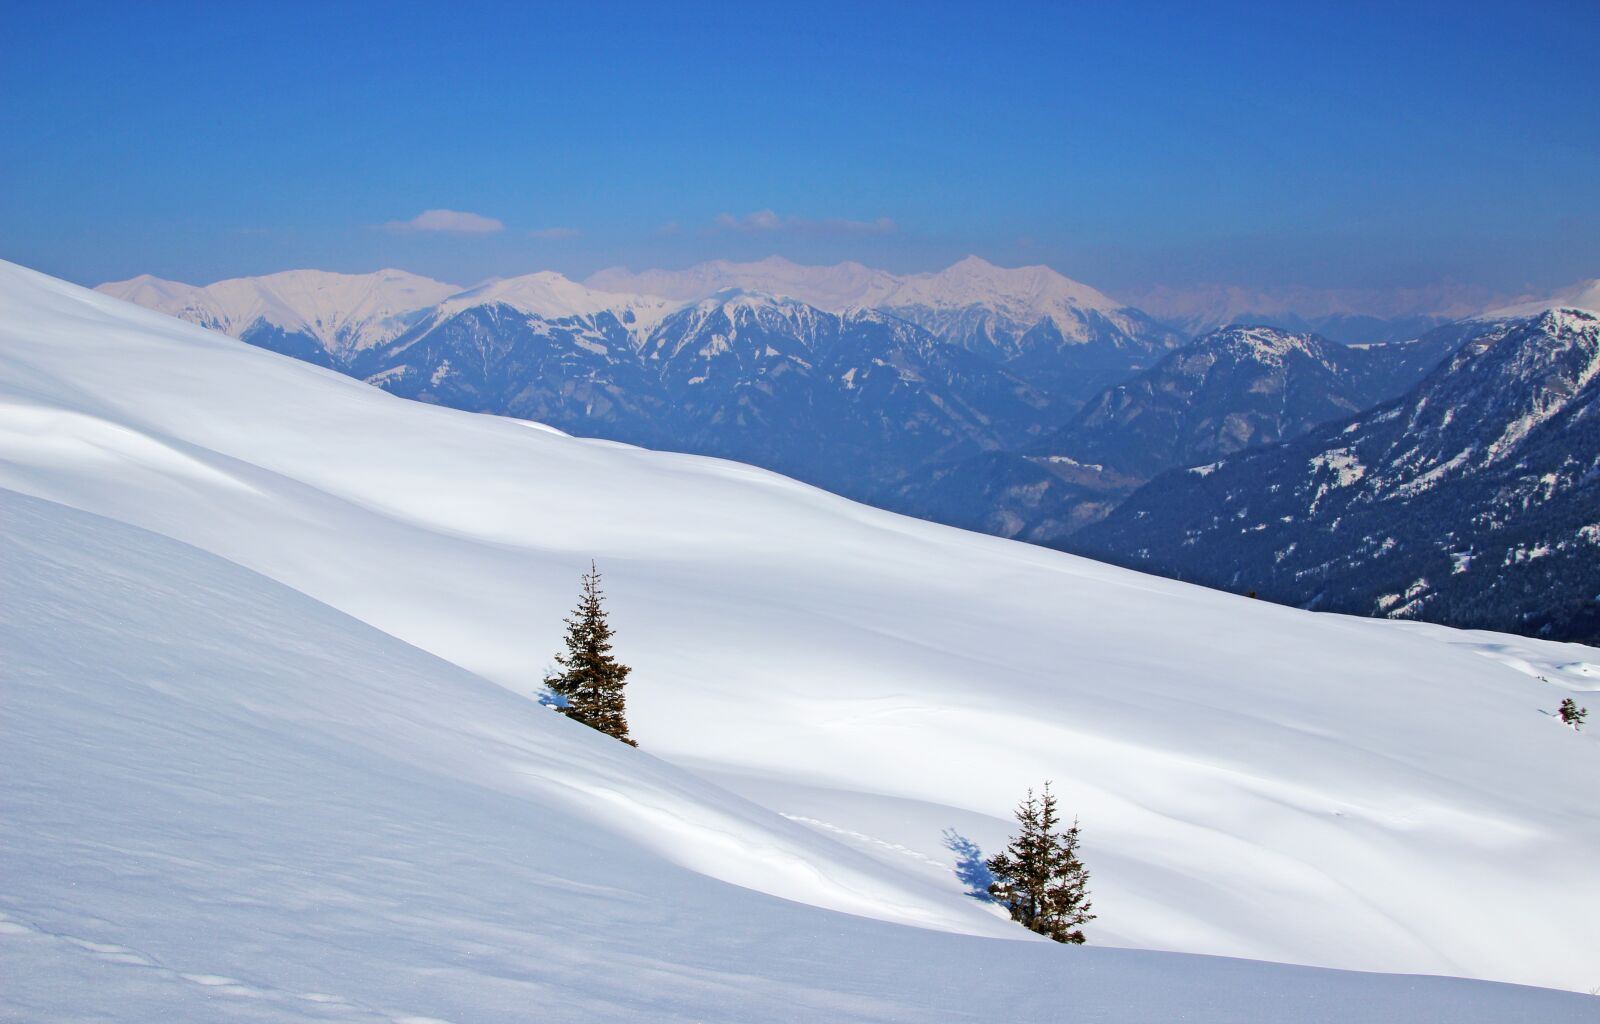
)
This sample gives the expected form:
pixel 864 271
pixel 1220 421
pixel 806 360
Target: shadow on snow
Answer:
pixel 970 866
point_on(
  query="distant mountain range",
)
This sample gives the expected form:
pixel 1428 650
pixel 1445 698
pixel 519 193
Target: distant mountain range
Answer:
pixel 1067 338
pixel 309 314
pixel 1013 401
pixel 1347 315
pixel 843 400
pixel 1474 499
pixel 845 377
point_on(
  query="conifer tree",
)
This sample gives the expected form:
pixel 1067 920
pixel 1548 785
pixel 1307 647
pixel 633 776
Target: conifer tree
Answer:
pixel 1571 714
pixel 1039 877
pixel 591 680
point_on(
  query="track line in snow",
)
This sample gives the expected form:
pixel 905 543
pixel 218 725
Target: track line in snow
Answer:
pixel 216 984
pixel 864 838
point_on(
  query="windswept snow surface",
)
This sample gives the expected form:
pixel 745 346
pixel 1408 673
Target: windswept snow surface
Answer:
pixel 212 776
pixel 225 801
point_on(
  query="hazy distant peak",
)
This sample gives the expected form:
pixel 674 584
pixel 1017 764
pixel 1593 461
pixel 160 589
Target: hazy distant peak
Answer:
pixel 1034 290
pixel 1583 295
pixel 1024 294
pixel 152 292
pixel 1203 307
pixel 827 287
pixel 555 296
pixel 339 310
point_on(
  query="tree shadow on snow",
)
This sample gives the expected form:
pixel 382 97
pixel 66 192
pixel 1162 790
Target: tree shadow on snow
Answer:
pixel 970 868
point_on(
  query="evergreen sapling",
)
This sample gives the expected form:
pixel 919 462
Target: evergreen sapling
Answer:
pixel 1039 876
pixel 591 680
pixel 1571 714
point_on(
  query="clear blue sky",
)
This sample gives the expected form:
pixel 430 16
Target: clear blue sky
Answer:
pixel 1125 144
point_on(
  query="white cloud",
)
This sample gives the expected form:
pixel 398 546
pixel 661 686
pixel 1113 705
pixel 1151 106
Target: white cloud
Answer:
pixel 553 233
pixel 769 220
pixel 451 221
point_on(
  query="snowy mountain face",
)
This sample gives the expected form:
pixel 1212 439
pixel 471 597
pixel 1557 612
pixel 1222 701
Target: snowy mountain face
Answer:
pixel 1065 338
pixel 845 400
pixel 309 314
pixel 1470 500
pixel 551 296
pixel 272 749
pixel 1232 389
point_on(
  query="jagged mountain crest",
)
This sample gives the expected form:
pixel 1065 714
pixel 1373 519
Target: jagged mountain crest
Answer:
pixel 972 301
pixel 1477 409
pixel 845 399
pixel 1026 314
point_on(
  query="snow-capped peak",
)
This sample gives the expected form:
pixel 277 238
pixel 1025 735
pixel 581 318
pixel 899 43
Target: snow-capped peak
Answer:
pixel 554 296
pixel 1024 292
pixel 342 311
pixel 152 292
pixel 1024 295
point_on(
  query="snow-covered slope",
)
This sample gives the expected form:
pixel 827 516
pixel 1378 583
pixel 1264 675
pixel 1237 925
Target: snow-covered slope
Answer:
pixel 224 801
pixel 342 312
pixel 1253 780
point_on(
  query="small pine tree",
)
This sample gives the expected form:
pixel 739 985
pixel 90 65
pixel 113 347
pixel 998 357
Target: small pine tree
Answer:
pixel 1571 714
pixel 1039 876
pixel 591 680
